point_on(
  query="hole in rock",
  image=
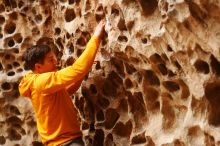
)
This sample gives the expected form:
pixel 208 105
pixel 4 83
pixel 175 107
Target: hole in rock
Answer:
pixel 144 40
pixel 139 139
pixel 212 93
pixel 2 140
pixel 15 50
pixel 151 94
pixel 18 38
pixel 20 4
pixel 13 16
pixel 130 25
pixel 12 109
pixel 2 8
pixel 93 89
pixel 13 120
pixel 169 48
pixel 122 38
pixel 100 116
pixel 13 134
pixel 185 89
pixel 69 15
pixel 118 64
pixel 10 28
pixel 11 43
pixel 99 17
pixel 156 58
pixel 37 143
pixel 19 70
pixel 6 86
pixel 194 131
pixel 202 66
pixel 35 31
pixel 97 66
pixel 215 65
pixel 81 41
pixel 176 63
pixel 130 69
pixel 73 1
pixel 68 35
pixel 128 83
pixel 11 73
pixel 98 138
pixel 123 130
pixel 109 140
pixel 2 20
pixel 121 24
pixel 148 6
pixel 85 126
pixel 69 61
pixel 9 66
pixel 7 57
pixel 164 57
pixel 79 52
pixel 150 78
pixel 103 102
pixel 171 86
pixel 63 1
pixel 1 67
pixel 59 42
pixel 115 11
pixel 10 3
pixel 171 73
pixel 57 31
pixel 162 68
pixel 111 117
pixel 38 18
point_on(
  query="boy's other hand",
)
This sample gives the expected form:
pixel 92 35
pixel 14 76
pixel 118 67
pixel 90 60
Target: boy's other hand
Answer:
pixel 99 29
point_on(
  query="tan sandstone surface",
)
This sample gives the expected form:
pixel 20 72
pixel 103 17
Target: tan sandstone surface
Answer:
pixel 155 81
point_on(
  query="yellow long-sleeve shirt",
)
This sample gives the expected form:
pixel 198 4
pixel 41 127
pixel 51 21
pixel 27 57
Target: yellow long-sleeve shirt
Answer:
pixel 55 112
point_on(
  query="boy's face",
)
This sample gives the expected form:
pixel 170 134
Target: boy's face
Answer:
pixel 49 64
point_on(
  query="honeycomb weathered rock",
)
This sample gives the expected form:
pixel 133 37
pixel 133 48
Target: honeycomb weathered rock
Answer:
pixel 155 80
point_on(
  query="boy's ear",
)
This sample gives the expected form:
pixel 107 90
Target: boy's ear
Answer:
pixel 37 66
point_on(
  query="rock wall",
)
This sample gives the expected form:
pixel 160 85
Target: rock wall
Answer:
pixel 155 80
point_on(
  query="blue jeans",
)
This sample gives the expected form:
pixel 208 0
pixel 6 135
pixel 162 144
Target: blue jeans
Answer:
pixel 74 142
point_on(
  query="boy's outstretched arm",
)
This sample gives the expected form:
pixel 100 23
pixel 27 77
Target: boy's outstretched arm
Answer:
pixel 71 89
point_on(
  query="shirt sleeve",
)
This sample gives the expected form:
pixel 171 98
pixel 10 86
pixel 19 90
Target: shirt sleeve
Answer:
pixel 53 81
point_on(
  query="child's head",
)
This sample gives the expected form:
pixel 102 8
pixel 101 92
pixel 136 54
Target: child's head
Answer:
pixel 40 58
